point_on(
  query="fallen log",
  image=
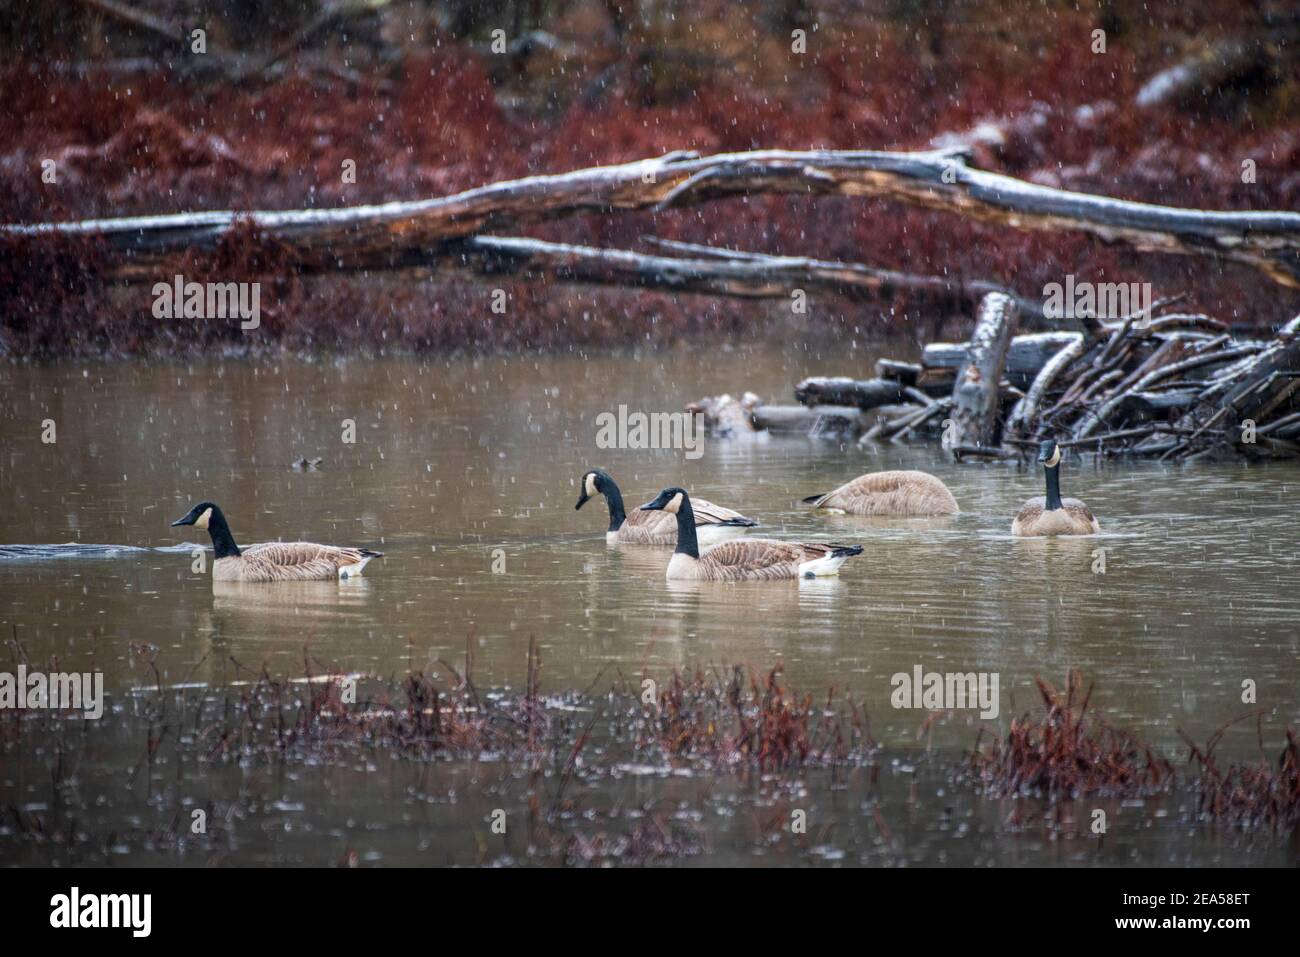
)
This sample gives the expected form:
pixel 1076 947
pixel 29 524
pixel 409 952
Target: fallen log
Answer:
pixel 390 234
pixel 975 395
pixel 864 394
pixel 1026 355
pixel 709 271
pixel 907 373
pixel 730 418
pixel 821 420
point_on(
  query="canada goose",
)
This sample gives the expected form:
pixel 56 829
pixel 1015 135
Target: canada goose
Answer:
pixel 746 559
pixel 726 417
pixel 899 493
pixel 272 561
pixel 1053 515
pixel 713 523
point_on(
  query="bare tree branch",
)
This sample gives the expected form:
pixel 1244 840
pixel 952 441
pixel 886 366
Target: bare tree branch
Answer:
pixel 387 235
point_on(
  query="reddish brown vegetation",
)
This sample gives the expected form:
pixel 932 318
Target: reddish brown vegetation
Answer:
pixel 1250 795
pixel 698 718
pixel 1068 753
pixel 443 121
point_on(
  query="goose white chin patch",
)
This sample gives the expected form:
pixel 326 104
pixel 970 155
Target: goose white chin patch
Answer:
pixel 1055 459
pixel 591 484
pixel 202 520
pixel 675 504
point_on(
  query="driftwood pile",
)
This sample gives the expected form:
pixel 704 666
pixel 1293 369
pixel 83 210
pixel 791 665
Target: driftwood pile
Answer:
pixel 1162 384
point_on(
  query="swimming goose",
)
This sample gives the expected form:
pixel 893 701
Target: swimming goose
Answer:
pixel 272 561
pixel 898 493
pixel 713 523
pixel 1053 515
pixel 745 559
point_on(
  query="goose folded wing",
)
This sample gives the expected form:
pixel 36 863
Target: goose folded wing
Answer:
pixel 651 523
pixel 260 568
pixel 706 513
pixel 298 554
pixel 755 554
pixel 1074 505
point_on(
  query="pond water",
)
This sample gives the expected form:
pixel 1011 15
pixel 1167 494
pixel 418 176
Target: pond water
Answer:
pixel 465 473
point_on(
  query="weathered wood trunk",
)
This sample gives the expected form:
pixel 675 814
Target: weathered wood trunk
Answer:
pixel 906 373
pixel 391 235
pixel 841 390
pixel 1025 358
pixel 819 420
pixel 697 269
pixel 975 397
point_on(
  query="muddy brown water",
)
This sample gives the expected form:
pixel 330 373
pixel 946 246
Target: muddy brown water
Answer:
pixel 465 473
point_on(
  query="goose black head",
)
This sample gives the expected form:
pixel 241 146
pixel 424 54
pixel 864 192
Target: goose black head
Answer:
pixel 1049 454
pixel 669 500
pixel 198 516
pixel 594 482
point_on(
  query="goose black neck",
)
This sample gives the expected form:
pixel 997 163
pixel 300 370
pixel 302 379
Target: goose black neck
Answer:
pixel 686 541
pixel 614 498
pixel 223 543
pixel 1053 487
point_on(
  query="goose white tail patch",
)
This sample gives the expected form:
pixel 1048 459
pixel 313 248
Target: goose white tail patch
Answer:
pixel 353 571
pixel 819 567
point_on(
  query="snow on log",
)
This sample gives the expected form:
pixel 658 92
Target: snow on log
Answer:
pixel 389 235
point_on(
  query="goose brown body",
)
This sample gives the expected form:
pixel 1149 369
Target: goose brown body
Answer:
pixel 291 562
pixel 900 493
pixel 272 561
pixel 755 559
pixel 1051 514
pixel 1072 518
pixel 745 559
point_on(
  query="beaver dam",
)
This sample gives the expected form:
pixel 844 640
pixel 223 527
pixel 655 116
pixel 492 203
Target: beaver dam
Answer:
pixel 1166 385
pixel 623 771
